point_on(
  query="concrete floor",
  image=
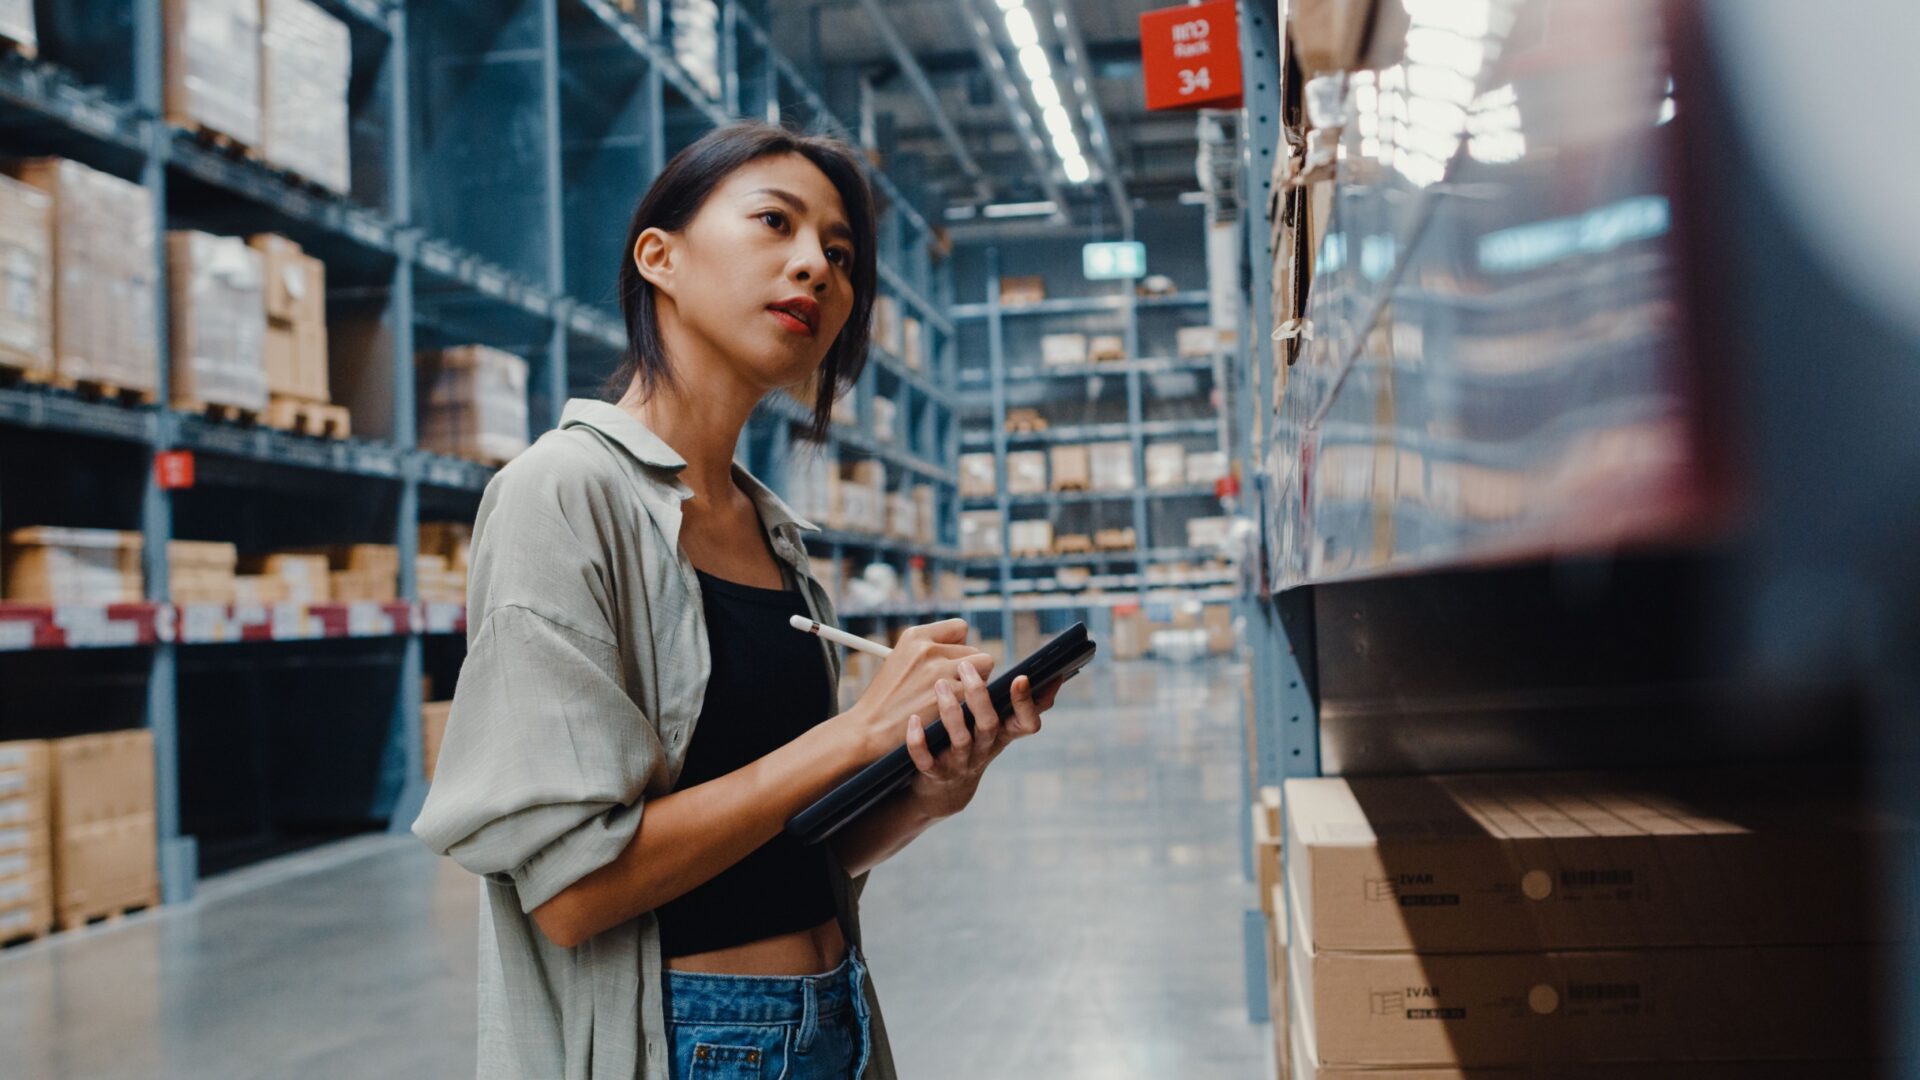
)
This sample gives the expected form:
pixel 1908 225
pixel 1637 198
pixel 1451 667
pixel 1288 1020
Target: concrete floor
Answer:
pixel 1080 920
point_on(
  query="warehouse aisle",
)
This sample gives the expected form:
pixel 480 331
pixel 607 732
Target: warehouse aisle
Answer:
pixel 1091 898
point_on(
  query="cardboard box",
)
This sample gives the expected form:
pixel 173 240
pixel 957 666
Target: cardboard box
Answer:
pixel 1197 342
pixel 213 67
pixel 1030 537
pixel 26 272
pixel 105 292
pixel 1567 861
pixel 1217 621
pixel 1266 852
pixel 980 532
pixel 218 321
pixel 886 418
pixel 1121 539
pixel 1027 472
pixel 1029 289
pixel 1102 348
pixel 473 403
pixel 1063 350
pixel 913 343
pixel 304 577
pixel 1492 1009
pixel 258 589
pixel 1166 465
pixel 104 848
pixel 26 838
pixel 1026 632
pixel 17 25
pixel 1206 467
pixel 101 777
pixel 433 729
pixel 1072 468
pixel 200 572
pixel 1112 466
pixel 926 513
pixel 1208 532
pixel 352 586
pixel 886 323
pixel 903 519
pixel 1129 637
pixel 48 565
pixel 452 539
pixel 306 67
pixel 976 476
pixel 295 294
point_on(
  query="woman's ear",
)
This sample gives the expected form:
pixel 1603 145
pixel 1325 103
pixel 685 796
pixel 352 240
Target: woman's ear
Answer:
pixel 655 255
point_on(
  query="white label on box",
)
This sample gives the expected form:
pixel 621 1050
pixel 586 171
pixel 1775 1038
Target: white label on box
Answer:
pixel 12 783
pixel 14 864
pixel 14 811
pixel 203 622
pixel 14 838
pixel 90 626
pixel 13 759
pixel 289 622
pixel 249 614
pixel 15 635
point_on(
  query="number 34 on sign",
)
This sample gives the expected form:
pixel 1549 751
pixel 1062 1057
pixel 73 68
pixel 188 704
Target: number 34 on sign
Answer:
pixel 1191 56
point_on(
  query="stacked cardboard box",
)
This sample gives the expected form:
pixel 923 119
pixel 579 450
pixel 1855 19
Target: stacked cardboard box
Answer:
pixel 306 64
pixel 49 565
pixel 201 572
pixel 1103 348
pixel 1195 342
pixel 473 403
pixel 1029 289
pixel 1208 532
pixel 284 577
pixel 886 323
pixel 213 67
pixel 26 274
pixel 295 295
pixel 1112 466
pixel 976 476
pixel 861 497
pixel 217 287
pixel 925 513
pixel 886 416
pixel 812 472
pixel 1129 638
pixel 1027 472
pixel 980 532
pixel 1538 922
pixel 1063 350
pixel 1217 621
pixel 913 347
pixel 17 25
pixel 104 847
pixel 1121 539
pixel 26 839
pixel 903 516
pixel 1030 537
pixel 363 572
pixel 105 292
pixel 1072 468
pixel 1206 467
pixel 441 565
pixel 1166 465
pixel 695 25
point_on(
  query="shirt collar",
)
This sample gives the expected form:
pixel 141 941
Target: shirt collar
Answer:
pixel 649 449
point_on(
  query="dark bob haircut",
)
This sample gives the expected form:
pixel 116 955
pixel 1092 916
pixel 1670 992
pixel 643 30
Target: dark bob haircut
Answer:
pixel 677 195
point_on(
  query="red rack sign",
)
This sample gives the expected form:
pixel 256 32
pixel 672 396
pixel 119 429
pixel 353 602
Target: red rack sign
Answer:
pixel 1191 56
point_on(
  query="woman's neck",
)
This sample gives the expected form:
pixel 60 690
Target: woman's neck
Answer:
pixel 704 432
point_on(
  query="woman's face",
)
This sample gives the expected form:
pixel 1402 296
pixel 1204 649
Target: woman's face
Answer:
pixel 762 277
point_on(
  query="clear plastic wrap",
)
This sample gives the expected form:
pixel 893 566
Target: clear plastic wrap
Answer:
pixel 473 403
pixel 213 67
pixel 26 279
pixel 306 64
pixel 17 25
pixel 219 321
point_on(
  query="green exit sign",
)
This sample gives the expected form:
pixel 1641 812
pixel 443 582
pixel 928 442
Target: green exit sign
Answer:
pixel 1120 259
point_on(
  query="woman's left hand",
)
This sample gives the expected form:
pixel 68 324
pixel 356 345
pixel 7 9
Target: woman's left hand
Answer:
pixel 945 784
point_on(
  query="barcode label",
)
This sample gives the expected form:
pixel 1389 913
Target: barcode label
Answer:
pixel 1591 993
pixel 1579 878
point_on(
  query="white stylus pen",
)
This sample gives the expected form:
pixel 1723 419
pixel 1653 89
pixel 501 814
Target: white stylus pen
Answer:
pixel 839 637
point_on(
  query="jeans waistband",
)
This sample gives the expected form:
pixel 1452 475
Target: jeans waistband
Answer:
pixel 702 998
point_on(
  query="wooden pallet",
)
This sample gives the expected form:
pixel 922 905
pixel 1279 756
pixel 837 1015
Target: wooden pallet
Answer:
pixel 24 937
pixel 309 418
pixel 1114 539
pixel 221 411
pixel 1071 485
pixel 14 371
pixel 76 917
pixel 1073 544
pixel 1025 422
pixel 102 390
pixel 218 141
pixel 24 49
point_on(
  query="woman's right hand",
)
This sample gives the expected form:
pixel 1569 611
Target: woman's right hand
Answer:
pixel 924 655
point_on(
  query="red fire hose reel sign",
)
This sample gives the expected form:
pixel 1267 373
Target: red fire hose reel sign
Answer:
pixel 1191 56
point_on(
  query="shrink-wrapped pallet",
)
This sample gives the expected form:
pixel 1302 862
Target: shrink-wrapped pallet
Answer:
pixel 17 25
pixel 306 63
pixel 51 565
pixel 219 322
pixel 473 403
pixel 26 279
pixel 213 67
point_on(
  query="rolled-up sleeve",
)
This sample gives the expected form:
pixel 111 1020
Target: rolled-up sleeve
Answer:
pixel 546 757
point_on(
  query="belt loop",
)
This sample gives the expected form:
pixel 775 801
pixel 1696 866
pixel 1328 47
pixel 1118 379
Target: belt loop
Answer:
pixel 862 1019
pixel 809 1016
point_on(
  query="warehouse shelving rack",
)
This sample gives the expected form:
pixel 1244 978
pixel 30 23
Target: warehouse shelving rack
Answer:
pixel 462 116
pixel 989 407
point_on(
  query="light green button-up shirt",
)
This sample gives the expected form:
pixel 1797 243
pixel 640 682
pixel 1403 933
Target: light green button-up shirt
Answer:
pixel 586 665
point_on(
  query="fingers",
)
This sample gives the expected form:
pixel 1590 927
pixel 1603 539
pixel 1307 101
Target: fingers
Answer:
pixel 923 758
pixel 1026 712
pixel 944 632
pixel 986 719
pixel 959 755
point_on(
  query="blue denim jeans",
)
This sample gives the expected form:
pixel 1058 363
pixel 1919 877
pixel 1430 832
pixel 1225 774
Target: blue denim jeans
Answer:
pixel 755 1027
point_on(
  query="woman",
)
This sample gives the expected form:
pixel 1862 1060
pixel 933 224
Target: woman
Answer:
pixel 636 722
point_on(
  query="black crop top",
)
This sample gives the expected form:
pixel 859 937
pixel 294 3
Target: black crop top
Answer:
pixel 768 685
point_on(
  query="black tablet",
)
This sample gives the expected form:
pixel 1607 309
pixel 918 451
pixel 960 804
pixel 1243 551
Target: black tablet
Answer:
pixel 1050 663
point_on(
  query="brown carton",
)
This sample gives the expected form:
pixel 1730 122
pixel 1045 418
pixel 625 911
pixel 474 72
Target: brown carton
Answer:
pixel 1767 1003
pixel 1063 350
pixel 27 271
pixel 218 322
pixel 51 565
pixel 26 839
pixel 104 847
pixel 1072 468
pixel 473 403
pixel 1102 348
pixel 1555 861
pixel 1166 465
pixel 1112 466
pixel 1023 290
pixel 976 476
pixel 213 67
pixel 1027 472
pixel 306 64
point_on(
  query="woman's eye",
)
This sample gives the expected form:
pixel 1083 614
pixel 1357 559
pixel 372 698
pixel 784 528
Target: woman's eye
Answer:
pixel 840 256
pixel 773 218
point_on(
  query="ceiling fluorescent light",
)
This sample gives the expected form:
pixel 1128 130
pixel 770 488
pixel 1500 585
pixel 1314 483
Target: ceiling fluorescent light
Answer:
pixel 1059 124
pixel 1076 169
pixel 962 213
pixel 1020 28
pixel 1033 61
pixel 1018 209
pixel 1045 93
pixel 1193 198
pixel 1009 5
